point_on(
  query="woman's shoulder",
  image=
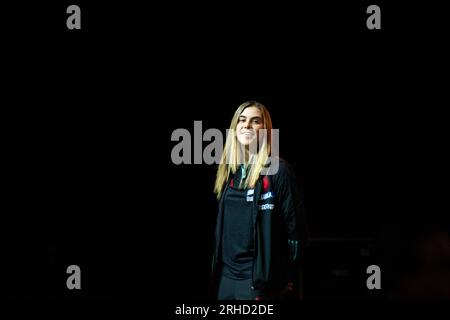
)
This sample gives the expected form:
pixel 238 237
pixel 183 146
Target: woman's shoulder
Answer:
pixel 285 180
pixel 281 169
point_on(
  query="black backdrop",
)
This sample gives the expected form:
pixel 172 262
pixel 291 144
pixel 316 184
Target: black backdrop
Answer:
pixel 89 178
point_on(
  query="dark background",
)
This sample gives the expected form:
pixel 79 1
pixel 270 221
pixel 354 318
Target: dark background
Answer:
pixel 88 116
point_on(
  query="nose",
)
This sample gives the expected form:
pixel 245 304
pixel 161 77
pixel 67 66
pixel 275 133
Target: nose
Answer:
pixel 248 124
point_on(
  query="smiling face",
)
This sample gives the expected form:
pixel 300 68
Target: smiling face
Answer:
pixel 249 123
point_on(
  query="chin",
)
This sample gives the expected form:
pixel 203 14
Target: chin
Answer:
pixel 245 142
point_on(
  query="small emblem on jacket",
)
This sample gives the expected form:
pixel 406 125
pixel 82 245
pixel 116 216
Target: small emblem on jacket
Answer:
pixel 267 206
pixel 250 195
pixel 266 196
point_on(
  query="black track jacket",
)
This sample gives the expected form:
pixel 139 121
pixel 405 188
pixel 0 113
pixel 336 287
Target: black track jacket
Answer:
pixel 278 216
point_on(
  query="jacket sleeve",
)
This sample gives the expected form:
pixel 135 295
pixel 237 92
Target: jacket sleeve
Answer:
pixel 291 206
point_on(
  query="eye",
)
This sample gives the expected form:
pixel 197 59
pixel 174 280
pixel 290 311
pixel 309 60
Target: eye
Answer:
pixel 256 121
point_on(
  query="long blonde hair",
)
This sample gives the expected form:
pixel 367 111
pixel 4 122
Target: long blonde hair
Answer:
pixel 231 161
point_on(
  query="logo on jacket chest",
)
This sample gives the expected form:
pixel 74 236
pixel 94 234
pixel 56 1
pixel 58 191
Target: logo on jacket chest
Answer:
pixel 263 197
pixel 250 193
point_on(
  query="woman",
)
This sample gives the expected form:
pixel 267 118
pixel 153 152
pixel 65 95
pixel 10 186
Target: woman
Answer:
pixel 260 228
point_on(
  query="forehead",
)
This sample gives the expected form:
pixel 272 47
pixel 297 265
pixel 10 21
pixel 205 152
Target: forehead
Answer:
pixel 251 112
